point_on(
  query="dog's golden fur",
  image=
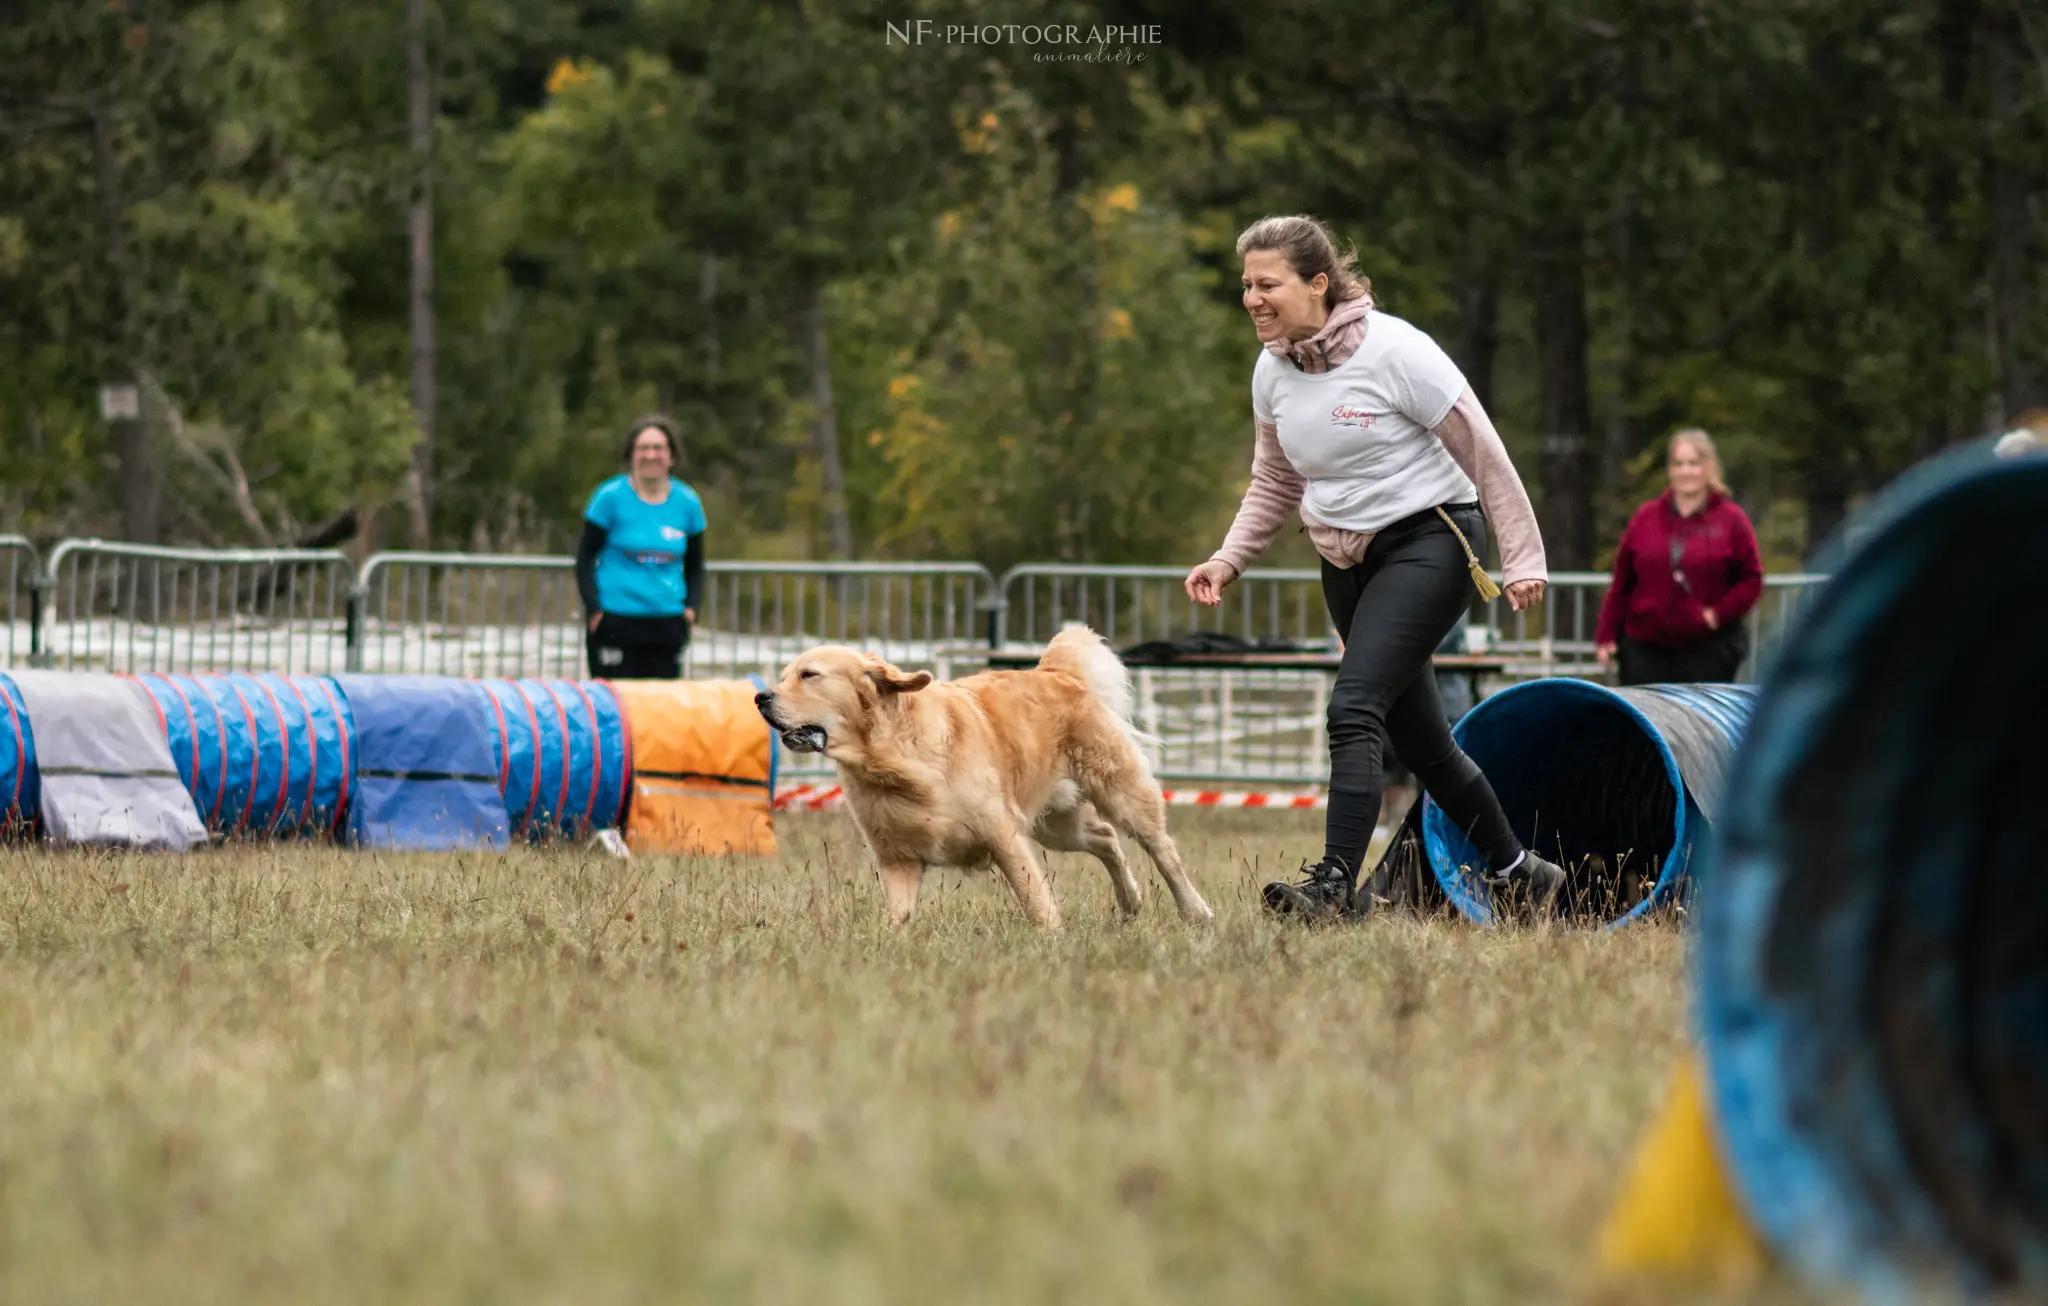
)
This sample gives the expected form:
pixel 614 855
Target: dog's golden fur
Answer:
pixel 967 772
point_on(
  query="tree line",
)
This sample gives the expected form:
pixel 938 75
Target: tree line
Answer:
pixel 399 273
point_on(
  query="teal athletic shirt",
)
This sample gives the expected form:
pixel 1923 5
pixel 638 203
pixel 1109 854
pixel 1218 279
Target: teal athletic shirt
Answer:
pixel 640 568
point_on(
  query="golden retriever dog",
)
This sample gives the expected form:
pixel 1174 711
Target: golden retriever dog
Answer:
pixel 968 772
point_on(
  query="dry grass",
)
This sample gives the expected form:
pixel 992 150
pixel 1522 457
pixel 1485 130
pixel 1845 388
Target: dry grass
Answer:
pixel 295 1074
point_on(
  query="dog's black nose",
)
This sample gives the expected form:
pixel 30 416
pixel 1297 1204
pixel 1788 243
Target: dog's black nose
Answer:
pixel 761 699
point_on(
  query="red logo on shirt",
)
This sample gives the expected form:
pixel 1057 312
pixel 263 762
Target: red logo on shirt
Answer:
pixel 1346 415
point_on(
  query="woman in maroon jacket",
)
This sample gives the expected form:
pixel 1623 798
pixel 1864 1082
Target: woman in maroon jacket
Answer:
pixel 1685 576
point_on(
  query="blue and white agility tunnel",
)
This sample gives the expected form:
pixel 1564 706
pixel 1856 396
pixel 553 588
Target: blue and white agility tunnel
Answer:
pixel 21 796
pixel 564 754
pixel 426 763
pixel 421 762
pixel 1619 787
pixel 1872 954
pixel 264 757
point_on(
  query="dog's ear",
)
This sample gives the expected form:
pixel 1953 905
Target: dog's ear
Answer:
pixel 892 681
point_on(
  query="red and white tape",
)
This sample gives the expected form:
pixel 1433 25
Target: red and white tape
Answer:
pixel 825 798
pixel 1209 798
pixel 809 798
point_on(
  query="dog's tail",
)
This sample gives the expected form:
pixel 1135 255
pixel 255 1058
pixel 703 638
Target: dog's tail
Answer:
pixel 1081 652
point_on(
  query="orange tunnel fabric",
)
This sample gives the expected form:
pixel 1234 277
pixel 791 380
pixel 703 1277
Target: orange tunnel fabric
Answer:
pixel 703 767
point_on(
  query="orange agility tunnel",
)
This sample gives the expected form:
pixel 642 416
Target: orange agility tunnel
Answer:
pixel 704 767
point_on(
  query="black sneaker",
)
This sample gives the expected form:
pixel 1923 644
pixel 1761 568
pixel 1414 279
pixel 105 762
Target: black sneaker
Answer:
pixel 1323 892
pixel 1531 889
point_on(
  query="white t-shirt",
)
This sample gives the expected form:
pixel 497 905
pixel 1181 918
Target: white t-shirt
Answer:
pixel 1360 433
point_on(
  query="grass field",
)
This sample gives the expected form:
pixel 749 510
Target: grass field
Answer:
pixel 278 1074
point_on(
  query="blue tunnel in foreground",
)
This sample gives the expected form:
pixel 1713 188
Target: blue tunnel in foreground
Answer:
pixel 1619 787
pixel 1872 949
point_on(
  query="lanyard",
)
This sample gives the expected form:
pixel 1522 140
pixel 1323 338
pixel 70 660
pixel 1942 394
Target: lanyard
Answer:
pixel 1679 538
pixel 1677 565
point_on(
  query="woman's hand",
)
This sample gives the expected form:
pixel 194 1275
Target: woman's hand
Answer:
pixel 1713 622
pixel 1604 653
pixel 1205 584
pixel 1525 593
pixel 690 616
pixel 595 617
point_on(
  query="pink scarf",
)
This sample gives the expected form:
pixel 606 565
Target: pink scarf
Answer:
pixel 1337 340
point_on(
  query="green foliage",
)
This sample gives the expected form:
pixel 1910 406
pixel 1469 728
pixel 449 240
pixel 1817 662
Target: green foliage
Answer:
pixel 967 443
pixel 1786 221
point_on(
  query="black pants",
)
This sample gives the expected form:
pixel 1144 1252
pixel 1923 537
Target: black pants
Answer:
pixel 1712 661
pixel 637 648
pixel 1395 607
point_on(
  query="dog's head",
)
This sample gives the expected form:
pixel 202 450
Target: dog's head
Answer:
pixel 830 695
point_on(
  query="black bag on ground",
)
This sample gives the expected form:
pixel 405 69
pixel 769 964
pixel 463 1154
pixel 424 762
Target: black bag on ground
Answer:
pixel 1206 643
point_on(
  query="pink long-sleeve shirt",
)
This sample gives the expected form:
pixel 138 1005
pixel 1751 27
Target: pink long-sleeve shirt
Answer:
pixel 1467 433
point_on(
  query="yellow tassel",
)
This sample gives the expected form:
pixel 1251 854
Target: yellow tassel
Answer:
pixel 1487 589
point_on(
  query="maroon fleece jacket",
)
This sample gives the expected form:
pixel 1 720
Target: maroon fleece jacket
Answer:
pixel 1716 556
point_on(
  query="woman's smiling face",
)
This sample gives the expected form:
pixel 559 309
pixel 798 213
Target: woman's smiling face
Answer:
pixel 1281 304
pixel 651 456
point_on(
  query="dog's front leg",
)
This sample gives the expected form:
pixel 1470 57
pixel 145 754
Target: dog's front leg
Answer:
pixel 900 881
pixel 1014 859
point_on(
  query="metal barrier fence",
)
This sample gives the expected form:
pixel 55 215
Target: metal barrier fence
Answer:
pixel 123 607
pixel 468 614
pixel 756 616
pixel 465 614
pixel 1267 725
pixel 24 614
pixel 133 607
pixel 1557 634
pixel 1129 605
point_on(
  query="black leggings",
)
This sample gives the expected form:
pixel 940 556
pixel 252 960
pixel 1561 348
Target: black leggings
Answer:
pixel 1394 608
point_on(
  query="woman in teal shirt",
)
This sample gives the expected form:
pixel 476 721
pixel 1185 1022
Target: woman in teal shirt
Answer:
pixel 640 563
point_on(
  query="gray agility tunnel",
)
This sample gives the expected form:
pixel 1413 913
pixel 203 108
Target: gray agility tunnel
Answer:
pixel 1871 959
